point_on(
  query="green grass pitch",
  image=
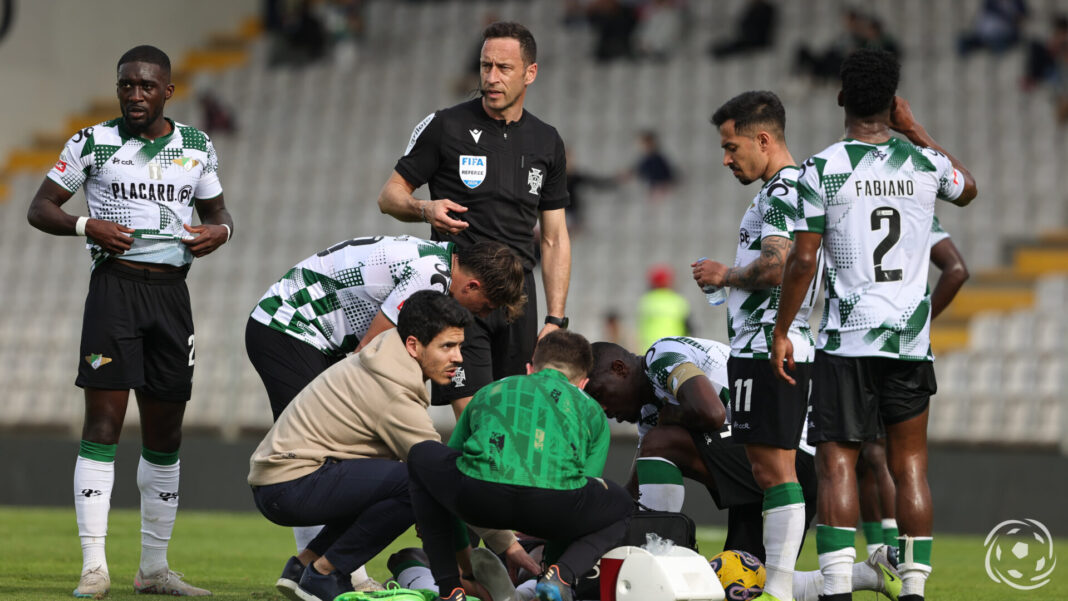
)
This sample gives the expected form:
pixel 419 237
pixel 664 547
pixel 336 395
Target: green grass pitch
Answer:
pixel 239 556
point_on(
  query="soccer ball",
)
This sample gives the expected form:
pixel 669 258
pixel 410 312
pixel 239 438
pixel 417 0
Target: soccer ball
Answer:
pixel 740 573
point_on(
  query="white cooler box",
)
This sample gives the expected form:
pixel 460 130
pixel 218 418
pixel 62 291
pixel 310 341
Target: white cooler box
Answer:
pixel 634 574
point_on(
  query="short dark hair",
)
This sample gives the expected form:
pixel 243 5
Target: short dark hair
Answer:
pixel 752 109
pixel 427 313
pixel 565 351
pixel 501 273
pixel 604 353
pixel 146 54
pixel 510 29
pixel 869 81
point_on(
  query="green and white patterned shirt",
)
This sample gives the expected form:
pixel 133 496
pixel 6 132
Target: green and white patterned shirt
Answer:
pixel 751 313
pixel 667 354
pixel 874 206
pixel 149 186
pixel 329 299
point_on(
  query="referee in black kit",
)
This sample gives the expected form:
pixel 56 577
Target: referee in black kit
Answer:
pixel 493 170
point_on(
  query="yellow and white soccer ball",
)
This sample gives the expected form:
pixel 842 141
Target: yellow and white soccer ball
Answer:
pixel 740 573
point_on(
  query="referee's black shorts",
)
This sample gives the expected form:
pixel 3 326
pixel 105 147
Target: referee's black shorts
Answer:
pixel 852 397
pixel 137 332
pixel 493 349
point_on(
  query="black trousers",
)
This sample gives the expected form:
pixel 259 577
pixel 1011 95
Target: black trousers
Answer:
pixel 363 505
pixel 589 520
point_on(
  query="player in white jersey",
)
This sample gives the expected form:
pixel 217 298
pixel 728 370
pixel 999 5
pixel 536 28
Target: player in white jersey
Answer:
pixel 768 415
pixel 877 491
pixel 143 175
pixel 335 301
pixel 677 394
pixel 869 201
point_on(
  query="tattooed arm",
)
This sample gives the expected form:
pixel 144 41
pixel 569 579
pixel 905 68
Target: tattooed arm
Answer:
pixel 766 271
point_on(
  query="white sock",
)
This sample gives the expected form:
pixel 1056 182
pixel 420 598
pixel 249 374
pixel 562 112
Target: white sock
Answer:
pixel 871 548
pixel 784 528
pixel 660 484
pixel 93 481
pixel 525 591
pixel 864 578
pixel 416 577
pixel 808 585
pixel 837 570
pixel 914 573
pixel 304 535
pixel 159 506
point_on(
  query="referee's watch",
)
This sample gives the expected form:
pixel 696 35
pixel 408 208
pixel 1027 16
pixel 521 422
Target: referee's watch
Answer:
pixel 560 322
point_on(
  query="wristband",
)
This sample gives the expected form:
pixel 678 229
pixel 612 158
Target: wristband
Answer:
pixel 79 226
pixel 228 231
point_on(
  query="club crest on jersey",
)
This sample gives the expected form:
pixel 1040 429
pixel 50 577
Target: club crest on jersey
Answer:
pixel 534 178
pixel 185 163
pixel 472 170
pixel 96 360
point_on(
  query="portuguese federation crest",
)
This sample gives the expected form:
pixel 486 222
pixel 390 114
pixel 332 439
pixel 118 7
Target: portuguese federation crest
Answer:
pixel 534 178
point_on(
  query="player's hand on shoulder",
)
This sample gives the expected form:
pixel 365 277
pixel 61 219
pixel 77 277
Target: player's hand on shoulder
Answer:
pixel 901 117
pixel 110 236
pixel 206 238
pixel 445 216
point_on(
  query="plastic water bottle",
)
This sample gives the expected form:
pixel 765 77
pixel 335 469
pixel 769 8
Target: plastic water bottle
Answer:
pixel 715 295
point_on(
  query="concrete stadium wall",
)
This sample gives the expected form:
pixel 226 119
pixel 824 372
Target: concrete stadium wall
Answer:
pixel 60 54
pixel 973 489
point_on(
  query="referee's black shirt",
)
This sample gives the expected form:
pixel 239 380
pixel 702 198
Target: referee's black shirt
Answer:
pixel 513 172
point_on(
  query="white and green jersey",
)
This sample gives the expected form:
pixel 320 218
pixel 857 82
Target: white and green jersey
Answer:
pixel 874 206
pixel 751 313
pixel 149 186
pixel 329 299
pixel 665 356
pixel 938 233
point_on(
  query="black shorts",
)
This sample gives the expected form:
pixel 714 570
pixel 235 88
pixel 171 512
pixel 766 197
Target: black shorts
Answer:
pixel 285 364
pixel 738 493
pixel 137 332
pixel 853 396
pixel 493 349
pixel 726 461
pixel 764 409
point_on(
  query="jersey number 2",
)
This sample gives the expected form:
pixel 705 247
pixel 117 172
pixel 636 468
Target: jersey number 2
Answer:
pixel 893 234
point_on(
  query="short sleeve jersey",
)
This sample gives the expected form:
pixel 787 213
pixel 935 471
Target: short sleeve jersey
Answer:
pixel 537 430
pixel 751 313
pixel 149 186
pixel 665 357
pixel 874 204
pixel 505 174
pixel 329 299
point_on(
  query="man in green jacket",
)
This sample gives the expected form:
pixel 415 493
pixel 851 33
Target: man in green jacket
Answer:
pixel 527 454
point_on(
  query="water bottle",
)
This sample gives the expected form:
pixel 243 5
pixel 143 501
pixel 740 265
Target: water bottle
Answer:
pixel 715 295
